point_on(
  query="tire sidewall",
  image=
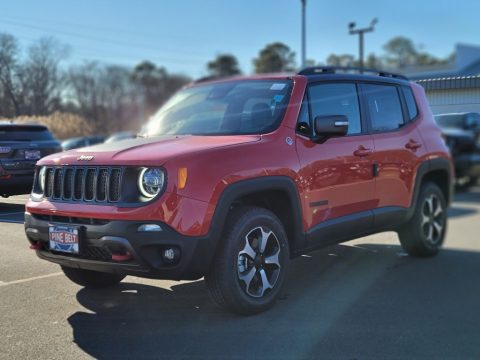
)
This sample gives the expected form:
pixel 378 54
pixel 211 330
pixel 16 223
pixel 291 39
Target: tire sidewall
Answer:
pixel 235 241
pixel 428 190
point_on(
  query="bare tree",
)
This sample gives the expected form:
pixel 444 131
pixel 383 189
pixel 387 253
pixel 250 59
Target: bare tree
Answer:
pixel 105 96
pixel 155 85
pixel 41 75
pixel 9 92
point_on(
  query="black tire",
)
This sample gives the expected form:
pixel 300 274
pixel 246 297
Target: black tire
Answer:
pixel 423 235
pixel 250 295
pixel 92 279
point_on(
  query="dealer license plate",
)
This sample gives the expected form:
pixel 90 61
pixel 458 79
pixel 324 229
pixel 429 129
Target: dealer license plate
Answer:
pixel 63 238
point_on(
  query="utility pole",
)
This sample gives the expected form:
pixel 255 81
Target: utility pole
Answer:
pixel 361 32
pixel 304 32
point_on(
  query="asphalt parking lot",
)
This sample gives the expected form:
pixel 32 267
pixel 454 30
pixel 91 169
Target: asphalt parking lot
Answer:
pixel 361 300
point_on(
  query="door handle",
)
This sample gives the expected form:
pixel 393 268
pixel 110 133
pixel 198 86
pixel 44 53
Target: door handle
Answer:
pixel 362 151
pixel 413 145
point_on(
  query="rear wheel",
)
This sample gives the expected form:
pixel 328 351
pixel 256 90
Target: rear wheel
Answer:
pixel 423 235
pixel 249 268
pixel 92 279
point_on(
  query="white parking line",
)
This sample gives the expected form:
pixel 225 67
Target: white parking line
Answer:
pixel 2 283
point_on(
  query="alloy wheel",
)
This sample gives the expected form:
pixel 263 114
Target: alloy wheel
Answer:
pixel 433 219
pixel 258 264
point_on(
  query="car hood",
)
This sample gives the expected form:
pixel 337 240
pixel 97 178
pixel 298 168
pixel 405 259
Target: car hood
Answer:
pixel 144 151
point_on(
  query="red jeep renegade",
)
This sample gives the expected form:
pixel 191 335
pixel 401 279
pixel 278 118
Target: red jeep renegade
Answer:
pixel 232 178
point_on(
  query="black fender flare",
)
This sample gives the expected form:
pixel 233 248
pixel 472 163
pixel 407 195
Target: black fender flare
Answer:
pixel 423 170
pixel 250 186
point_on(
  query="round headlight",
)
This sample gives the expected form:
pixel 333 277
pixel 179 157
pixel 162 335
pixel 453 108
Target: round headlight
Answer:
pixel 41 178
pixel 150 182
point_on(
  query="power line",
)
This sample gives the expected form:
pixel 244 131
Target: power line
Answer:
pixel 94 38
pixel 115 30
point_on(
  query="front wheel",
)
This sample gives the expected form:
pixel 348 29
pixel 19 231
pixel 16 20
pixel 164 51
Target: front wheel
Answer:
pixel 423 235
pixel 249 268
pixel 92 279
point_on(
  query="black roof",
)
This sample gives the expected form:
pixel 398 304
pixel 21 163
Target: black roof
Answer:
pixel 21 126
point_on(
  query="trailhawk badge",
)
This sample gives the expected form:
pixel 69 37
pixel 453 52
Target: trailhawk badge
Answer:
pixel 85 158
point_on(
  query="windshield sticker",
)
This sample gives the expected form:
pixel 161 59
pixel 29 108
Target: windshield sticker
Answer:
pixel 277 86
pixel 278 98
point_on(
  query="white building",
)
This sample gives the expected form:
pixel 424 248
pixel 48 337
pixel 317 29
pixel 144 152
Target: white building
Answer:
pixel 452 87
pixel 453 94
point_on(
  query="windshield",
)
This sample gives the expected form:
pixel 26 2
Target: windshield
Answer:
pixel 227 108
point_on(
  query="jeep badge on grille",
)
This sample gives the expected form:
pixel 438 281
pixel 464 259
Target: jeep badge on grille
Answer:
pixel 85 158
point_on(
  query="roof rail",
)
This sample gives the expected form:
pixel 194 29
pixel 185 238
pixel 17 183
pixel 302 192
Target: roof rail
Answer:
pixel 208 78
pixel 318 70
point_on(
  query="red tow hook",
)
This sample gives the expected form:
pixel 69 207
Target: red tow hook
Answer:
pixel 122 257
pixel 36 245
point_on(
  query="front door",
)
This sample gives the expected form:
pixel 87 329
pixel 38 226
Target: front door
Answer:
pixel 336 175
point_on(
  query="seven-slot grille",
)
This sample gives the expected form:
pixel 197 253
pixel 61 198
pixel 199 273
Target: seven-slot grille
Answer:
pixel 72 183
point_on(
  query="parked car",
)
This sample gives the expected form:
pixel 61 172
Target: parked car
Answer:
pixel 82 141
pixel 123 135
pixel 21 146
pixel 462 135
pixel 233 178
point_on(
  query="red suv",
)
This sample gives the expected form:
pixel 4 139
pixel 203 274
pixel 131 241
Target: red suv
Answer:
pixel 234 177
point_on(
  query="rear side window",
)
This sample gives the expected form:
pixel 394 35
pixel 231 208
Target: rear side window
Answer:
pixel 24 133
pixel 384 107
pixel 411 104
pixel 337 99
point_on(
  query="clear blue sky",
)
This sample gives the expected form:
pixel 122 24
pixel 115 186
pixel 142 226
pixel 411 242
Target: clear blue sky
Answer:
pixel 183 35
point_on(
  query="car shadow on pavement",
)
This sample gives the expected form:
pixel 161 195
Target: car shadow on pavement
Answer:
pixel 471 196
pixel 457 211
pixel 11 212
pixel 345 301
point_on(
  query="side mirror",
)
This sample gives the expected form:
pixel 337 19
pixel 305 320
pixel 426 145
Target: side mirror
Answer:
pixel 331 125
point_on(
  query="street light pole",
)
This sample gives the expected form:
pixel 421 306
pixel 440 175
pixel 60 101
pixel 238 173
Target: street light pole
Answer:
pixel 304 32
pixel 361 33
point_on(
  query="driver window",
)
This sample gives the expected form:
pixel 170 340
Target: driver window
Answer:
pixel 337 99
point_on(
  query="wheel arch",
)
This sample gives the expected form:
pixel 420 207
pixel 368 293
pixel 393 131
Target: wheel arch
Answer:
pixel 438 171
pixel 276 193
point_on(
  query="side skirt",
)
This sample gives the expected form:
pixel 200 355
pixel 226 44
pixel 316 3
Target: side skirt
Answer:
pixel 353 226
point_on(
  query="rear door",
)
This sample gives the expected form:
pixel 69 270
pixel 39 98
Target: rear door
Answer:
pixel 336 174
pixel 398 145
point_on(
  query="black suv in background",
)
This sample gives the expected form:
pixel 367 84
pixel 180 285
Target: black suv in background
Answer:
pixel 462 135
pixel 21 146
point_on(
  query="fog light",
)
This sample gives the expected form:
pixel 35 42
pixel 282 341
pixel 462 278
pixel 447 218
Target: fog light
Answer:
pixel 149 227
pixel 171 255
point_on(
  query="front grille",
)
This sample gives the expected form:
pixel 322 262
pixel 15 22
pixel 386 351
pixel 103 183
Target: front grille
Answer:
pixel 78 184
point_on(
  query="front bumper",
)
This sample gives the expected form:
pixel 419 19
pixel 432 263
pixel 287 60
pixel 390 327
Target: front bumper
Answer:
pixel 99 239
